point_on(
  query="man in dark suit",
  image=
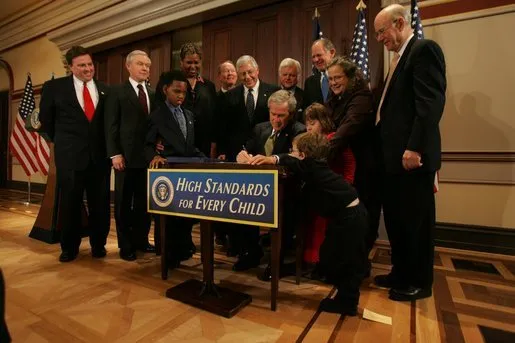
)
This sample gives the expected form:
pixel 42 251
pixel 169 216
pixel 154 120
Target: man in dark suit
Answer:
pixel 316 87
pixel 174 127
pixel 244 106
pixel 410 109
pixel 268 140
pixel 72 114
pixel 4 331
pixel 126 119
pixel 289 72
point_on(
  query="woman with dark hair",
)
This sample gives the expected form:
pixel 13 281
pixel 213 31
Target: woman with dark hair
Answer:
pixel 200 98
pixel 353 114
pixel 318 120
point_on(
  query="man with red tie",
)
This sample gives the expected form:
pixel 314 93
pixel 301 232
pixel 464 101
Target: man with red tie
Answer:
pixel 126 120
pixel 72 114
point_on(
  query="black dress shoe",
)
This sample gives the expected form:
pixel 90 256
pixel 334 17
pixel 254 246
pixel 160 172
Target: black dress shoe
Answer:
pixel 127 255
pixel 385 281
pixel 147 248
pixel 410 293
pixel 284 270
pixel 98 252
pixel 334 306
pixel 67 256
pixel 247 260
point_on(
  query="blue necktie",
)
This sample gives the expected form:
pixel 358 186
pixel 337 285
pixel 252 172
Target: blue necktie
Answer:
pixel 325 86
pixel 250 104
pixel 179 117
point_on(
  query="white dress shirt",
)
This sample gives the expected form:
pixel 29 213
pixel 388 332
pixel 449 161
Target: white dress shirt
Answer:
pixel 79 88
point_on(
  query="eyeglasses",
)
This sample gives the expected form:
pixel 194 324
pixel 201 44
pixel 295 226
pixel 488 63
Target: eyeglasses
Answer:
pixel 381 31
pixel 335 78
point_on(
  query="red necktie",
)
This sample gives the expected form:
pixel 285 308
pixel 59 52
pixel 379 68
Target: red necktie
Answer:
pixel 142 98
pixel 89 107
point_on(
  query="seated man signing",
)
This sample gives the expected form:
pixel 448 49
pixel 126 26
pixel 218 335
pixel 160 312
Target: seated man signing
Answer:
pixel 269 139
pixel 275 136
pixel 343 255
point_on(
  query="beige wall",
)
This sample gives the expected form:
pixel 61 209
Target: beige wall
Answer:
pixel 40 58
pixel 478 189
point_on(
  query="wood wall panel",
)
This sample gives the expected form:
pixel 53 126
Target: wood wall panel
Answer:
pixel 266 48
pixel 282 30
pixel 111 63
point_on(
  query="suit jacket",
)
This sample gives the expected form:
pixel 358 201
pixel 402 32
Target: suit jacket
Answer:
pixel 126 124
pixel 201 101
pixel 76 140
pixel 413 106
pixel 299 109
pixel 283 142
pixel 237 127
pixel 162 124
pixel 313 90
pixel 354 117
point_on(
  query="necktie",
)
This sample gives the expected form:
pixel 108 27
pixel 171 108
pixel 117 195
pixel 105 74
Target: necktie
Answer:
pixel 89 107
pixel 142 98
pixel 269 144
pixel 325 86
pixel 250 104
pixel 179 117
pixel 393 65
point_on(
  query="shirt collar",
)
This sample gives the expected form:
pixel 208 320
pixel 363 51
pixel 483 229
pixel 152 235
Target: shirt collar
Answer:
pixel 78 81
pixel 254 89
pixel 403 47
pixel 172 107
pixel 135 84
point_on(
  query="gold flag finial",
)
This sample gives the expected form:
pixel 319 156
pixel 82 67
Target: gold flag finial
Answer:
pixel 317 14
pixel 361 5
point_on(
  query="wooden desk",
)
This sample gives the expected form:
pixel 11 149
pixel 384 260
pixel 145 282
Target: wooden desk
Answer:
pixel 205 294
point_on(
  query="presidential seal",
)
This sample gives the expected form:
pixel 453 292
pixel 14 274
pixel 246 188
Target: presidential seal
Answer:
pixel 34 119
pixel 162 191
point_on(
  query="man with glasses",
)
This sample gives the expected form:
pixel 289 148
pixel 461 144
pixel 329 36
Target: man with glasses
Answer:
pixel 407 117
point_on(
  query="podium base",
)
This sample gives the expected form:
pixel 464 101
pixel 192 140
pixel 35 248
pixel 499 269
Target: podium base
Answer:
pixel 45 235
pixel 223 302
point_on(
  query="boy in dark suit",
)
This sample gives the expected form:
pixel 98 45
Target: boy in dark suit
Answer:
pixel 343 255
pixel 173 127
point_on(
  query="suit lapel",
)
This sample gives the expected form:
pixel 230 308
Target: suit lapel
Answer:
pixel 72 96
pixel 173 124
pixel 131 94
pixel 262 96
pixel 151 95
pixel 400 65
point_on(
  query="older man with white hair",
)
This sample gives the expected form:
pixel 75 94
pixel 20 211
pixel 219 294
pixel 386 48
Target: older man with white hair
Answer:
pixel 289 74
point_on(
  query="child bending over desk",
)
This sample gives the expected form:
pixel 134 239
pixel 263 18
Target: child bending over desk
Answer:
pixel 343 255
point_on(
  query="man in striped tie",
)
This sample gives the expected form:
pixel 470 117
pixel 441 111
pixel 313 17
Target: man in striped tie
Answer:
pixel 72 114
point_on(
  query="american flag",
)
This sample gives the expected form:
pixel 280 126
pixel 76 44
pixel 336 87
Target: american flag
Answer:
pixel 416 23
pixel 29 148
pixel 316 33
pixel 359 52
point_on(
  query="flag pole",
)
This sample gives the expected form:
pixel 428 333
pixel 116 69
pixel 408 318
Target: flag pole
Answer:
pixel 28 192
pixel 361 5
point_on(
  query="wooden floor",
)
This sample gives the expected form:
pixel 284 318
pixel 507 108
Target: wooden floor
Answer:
pixel 111 300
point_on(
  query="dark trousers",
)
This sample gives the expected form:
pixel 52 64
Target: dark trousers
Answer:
pixel 409 215
pixel 179 245
pixel 343 254
pixel 4 332
pixel 94 180
pixel 369 191
pixel 130 207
